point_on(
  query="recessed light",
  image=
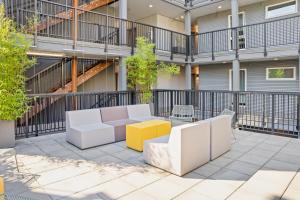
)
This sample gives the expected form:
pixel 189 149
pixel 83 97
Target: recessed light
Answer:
pixel 181 16
pixel 177 18
pixel 150 5
pixel 276 59
pixel 219 7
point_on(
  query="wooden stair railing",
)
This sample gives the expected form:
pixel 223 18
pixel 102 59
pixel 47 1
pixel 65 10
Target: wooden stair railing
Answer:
pixel 37 108
pixel 69 14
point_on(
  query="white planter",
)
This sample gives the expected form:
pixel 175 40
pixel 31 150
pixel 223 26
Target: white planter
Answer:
pixel 7 134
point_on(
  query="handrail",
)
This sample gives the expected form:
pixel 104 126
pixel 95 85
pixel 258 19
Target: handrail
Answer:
pixel 248 25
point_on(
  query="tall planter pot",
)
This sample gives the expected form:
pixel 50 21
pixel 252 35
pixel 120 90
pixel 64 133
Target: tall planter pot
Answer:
pixel 7 134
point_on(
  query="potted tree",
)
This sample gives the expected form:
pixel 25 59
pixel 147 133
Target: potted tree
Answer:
pixel 143 68
pixel 13 63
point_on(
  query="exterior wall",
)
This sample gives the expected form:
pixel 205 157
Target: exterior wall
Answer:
pixel 104 81
pixel 254 13
pixel 216 77
pixel 163 22
pixel 167 81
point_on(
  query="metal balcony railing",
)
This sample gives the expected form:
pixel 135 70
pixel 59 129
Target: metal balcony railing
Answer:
pixel 261 35
pixel 267 112
pixel 66 22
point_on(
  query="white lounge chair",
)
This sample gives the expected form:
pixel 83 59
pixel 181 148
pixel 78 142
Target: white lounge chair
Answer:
pixel 141 112
pixel 187 148
pixel 85 129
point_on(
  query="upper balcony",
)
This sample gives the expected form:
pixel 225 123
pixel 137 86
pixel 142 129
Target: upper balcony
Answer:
pixel 69 31
pixel 75 31
pixel 272 39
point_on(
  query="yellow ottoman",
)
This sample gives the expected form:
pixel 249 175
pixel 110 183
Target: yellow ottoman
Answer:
pixel 137 133
pixel 1 188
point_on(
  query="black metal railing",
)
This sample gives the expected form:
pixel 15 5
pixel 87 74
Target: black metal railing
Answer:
pixel 61 21
pixel 261 35
pixel 268 112
pixel 66 22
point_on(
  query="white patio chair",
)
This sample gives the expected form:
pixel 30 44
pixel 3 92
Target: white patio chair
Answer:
pixel 182 114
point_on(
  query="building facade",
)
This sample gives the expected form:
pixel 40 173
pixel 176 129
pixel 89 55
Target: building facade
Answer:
pixel 81 45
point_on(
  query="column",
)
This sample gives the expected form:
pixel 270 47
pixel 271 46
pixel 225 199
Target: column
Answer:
pixel 236 75
pixel 122 75
pixel 188 66
pixel 74 74
pixel 235 62
pixel 123 25
pixel 74 59
pixel 188 76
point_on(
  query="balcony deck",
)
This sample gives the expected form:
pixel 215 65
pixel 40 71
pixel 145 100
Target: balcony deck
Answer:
pixel 259 166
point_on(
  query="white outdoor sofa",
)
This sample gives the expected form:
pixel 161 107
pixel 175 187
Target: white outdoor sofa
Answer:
pixel 220 135
pixel 187 148
pixel 140 113
pixel 85 129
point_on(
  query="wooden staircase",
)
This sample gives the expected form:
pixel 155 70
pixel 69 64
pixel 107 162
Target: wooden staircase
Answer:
pixel 38 107
pixel 68 15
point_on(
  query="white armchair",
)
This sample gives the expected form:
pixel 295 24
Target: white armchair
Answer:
pixel 187 148
pixel 85 129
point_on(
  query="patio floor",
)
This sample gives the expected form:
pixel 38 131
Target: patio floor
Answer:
pixel 258 167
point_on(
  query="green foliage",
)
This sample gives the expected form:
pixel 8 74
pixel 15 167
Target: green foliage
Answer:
pixel 143 68
pixel 13 62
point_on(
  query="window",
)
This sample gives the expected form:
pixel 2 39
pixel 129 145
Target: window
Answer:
pixel 281 9
pixel 281 73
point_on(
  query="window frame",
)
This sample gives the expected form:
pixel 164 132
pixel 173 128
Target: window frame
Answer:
pixel 280 15
pixel 281 79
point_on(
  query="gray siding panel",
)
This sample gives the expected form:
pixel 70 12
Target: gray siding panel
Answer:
pixel 254 13
pixel 216 77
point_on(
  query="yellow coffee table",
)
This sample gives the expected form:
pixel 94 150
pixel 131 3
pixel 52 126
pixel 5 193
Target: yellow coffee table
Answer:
pixel 1 188
pixel 137 133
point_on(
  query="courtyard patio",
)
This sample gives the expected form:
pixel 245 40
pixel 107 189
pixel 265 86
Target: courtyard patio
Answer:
pixel 259 166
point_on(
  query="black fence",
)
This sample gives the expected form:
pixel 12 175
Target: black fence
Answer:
pixel 273 113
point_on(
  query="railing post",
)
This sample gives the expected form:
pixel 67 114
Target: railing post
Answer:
pixel 265 40
pixel 212 106
pixel 155 102
pixel 298 115
pixel 212 46
pixel 193 38
pixel 171 100
pixel 154 38
pixel 171 43
pixel 106 34
pixel 203 94
pixel 99 33
pixel 236 43
pixel 187 47
pixel 48 26
pixel 235 105
pixel 273 112
pixel 35 22
pixel 26 125
pixel 133 97
pixel 132 38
